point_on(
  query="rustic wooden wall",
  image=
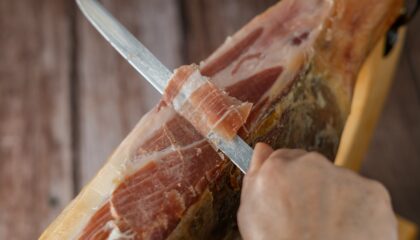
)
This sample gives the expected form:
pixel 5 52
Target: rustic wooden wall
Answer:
pixel 67 99
pixel 35 129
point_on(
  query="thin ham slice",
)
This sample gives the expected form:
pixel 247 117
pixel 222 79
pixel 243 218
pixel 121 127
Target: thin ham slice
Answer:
pixel 204 105
pixel 296 63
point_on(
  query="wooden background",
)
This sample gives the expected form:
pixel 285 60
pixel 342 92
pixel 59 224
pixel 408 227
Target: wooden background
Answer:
pixel 67 99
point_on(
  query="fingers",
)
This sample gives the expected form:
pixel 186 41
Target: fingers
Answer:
pixel 261 152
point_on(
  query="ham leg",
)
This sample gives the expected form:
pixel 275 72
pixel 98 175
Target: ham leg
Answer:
pixel 296 63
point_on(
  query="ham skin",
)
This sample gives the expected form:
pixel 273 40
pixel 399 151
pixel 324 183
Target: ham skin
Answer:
pixel 296 64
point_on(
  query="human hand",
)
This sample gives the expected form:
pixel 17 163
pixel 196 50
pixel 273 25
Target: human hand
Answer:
pixel 293 194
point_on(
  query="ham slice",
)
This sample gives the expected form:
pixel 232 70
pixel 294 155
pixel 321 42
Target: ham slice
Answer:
pixel 205 106
pixel 296 63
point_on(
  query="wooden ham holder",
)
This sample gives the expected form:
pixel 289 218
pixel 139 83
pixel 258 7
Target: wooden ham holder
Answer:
pixel 370 92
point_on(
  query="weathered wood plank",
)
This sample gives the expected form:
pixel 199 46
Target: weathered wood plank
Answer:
pixel 394 155
pixel 112 96
pixel 35 156
pixel 208 23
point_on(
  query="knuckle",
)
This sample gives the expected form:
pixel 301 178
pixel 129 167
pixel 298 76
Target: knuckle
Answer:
pixel 381 199
pixel 280 153
pixel 315 155
pixel 379 190
pixel 272 167
pixel 378 194
pixel 318 159
pixel 271 174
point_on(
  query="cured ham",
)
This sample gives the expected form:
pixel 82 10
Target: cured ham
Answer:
pixel 296 63
pixel 205 106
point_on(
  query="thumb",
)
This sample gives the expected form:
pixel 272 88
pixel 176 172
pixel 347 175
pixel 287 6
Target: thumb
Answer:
pixel 261 152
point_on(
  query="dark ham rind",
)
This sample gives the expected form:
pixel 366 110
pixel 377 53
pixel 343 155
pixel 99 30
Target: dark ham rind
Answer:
pixel 300 58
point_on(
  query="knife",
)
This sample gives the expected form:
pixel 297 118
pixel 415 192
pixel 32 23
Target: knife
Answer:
pixel 237 150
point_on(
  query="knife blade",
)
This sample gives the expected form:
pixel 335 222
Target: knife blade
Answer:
pixel 153 71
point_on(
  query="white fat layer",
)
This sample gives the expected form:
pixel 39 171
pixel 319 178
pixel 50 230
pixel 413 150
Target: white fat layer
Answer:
pixel 116 234
pixel 194 82
pixel 113 211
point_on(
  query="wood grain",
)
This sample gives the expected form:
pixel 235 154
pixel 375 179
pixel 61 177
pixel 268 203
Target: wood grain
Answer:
pixel 35 156
pixel 370 92
pixel 112 97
